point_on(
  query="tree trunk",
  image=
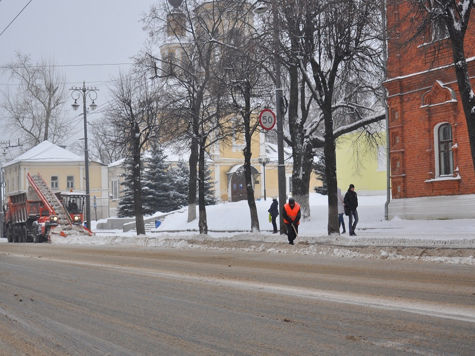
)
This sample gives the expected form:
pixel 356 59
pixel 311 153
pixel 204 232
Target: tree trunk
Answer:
pixel 202 222
pixel 330 171
pixel 47 119
pixel 301 173
pixel 193 160
pixel 247 161
pixel 302 153
pixel 139 223
pixel 465 89
pixel 250 195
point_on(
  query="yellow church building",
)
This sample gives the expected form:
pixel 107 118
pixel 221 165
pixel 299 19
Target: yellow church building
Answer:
pixel 361 165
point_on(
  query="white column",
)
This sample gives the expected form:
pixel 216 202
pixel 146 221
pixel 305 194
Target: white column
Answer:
pixel 230 178
pixel 262 180
pixel 217 181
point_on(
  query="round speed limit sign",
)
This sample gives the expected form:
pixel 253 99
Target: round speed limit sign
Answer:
pixel 267 119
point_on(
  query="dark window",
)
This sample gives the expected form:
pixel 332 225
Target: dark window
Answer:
pixel 54 182
pixel 70 182
pixel 115 189
pixel 169 63
pixel 445 150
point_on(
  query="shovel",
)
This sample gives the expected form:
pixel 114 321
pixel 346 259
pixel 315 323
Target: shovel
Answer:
pixel 295 230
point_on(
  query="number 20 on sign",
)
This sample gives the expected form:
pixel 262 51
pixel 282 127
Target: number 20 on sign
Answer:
pixel 267 119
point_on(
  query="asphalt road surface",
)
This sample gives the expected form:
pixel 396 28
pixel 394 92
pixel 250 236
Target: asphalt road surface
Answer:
pixel 63 300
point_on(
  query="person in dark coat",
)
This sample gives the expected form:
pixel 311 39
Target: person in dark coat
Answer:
pixel 341 210
pixel 73 207
pixel 274 212
pixel 351 203
pixel 291 216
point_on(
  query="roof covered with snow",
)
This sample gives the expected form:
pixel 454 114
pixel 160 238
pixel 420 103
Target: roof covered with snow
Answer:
pixel 46 152
pixel 117 163
pixel 172 153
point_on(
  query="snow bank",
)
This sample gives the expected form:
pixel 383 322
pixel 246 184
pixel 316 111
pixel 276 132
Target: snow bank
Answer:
pixel 234 217
pixel 229 225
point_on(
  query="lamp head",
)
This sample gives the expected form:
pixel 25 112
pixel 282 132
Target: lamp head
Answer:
pixel 75 105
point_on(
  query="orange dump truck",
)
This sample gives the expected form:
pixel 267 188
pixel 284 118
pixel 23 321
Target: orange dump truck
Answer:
pixel 28 220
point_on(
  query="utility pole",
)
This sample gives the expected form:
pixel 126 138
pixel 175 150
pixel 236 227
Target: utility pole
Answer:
pixel 261 7
pixel 280 118
pixel 90 92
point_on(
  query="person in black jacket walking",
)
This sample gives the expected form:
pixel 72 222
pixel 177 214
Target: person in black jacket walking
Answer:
pixel 274 212
pixel 351 203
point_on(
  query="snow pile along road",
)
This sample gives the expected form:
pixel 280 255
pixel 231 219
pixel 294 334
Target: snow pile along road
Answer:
pixel 448 241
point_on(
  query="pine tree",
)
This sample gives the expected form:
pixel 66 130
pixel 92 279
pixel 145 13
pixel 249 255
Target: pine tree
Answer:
pixel 319 169
pixel 158 183
pixel 210 198
pixel 181 177
pixel 126 200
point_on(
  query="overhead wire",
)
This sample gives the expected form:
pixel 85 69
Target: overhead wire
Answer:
pixel 13 20
pixel 65 83
pixel 71 65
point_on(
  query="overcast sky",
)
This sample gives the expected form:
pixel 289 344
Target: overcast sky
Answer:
pixel 73 32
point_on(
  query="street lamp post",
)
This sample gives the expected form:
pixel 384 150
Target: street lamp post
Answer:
pixel 76 93
pixel 262 6
pixel 264 161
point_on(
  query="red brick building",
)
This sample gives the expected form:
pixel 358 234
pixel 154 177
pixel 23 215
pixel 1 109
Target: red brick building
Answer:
pixel 432 175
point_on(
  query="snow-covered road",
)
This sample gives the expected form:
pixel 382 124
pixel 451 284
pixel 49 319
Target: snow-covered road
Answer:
pixel 114 300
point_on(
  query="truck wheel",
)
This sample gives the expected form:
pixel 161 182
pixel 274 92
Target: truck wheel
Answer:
pixel 24 233
pixel 19 233
pixel 15 234
pixel 45 237
pixel 9 234
pixel 36 237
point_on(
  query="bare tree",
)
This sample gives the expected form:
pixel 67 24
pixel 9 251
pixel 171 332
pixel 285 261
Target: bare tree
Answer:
pixel 455 15
pixel 301 114
pixel 103 145
pixel 35 106
pixel 339 46
pixel 188 67
pixel 351 82
pixel 242 63
pixel 134 114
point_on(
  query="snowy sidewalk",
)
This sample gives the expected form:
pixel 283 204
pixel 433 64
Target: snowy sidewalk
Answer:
pixel 446 241
pixel 372 229
pixel 232 221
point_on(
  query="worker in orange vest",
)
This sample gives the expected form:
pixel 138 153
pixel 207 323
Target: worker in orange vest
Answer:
pixel 291 216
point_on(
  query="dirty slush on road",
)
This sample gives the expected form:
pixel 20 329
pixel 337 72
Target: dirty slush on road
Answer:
pixel 414 253
pixel 451 252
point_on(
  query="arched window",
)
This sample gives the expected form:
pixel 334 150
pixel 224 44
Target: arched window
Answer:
pixel 445 155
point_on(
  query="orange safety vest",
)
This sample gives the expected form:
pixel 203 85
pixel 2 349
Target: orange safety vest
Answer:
pixel 291 213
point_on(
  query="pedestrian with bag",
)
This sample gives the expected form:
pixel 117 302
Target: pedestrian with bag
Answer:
pixel 291 216
pixel 273 213
pixel 341 211
pixel 351 203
